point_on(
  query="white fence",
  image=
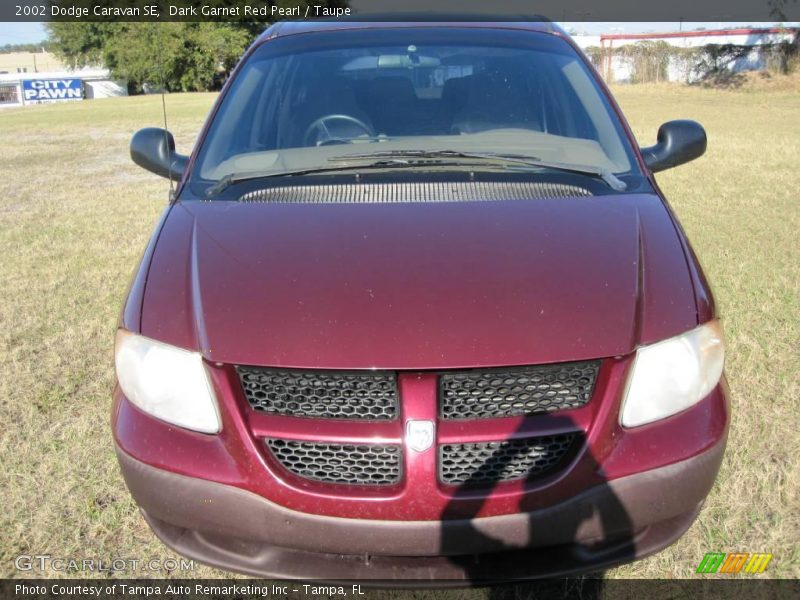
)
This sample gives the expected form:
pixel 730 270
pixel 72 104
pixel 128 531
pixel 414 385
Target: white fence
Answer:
pixel 617 68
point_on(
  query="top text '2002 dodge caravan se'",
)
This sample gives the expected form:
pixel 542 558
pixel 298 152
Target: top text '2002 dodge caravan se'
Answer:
pixel 418 310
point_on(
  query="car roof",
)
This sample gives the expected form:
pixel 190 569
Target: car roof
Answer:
pixel 533 23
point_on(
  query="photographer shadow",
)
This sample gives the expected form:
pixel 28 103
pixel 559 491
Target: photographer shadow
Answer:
pixel 582 534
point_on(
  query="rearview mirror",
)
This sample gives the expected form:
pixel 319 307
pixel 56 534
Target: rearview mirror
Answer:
pixel 154 149
pixel 678 142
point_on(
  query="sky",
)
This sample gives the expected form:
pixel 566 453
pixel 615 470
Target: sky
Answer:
pixel 28 33
pixel 21 33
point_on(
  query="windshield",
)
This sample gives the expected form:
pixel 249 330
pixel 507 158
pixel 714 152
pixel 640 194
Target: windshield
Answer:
pixel 308 102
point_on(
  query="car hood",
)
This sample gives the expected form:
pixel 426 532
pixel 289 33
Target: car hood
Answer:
pixel 418 286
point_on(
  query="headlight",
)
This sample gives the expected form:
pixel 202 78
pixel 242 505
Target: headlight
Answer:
pixel 673 375
pixel 166 382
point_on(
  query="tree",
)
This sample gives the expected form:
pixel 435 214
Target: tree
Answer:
pixel 6 48
pixel 596 55
pixel 79 43
pixel 180 56
pixel 649 60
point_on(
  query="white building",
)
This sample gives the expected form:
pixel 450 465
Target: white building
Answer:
pixel 619 69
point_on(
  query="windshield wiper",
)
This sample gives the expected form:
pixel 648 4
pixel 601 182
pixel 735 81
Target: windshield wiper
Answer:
pixel 391 159
pixel 614 182
pixel 232 178
pixel 382 163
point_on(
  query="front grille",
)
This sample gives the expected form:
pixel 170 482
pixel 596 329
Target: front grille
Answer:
pixel 320 394
pixel 494 462
pixel 492 393
pixel 362 464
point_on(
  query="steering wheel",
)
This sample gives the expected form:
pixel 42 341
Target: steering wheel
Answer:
pixel 319 132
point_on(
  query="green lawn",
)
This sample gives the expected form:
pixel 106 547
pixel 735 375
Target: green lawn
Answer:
pixel 75 214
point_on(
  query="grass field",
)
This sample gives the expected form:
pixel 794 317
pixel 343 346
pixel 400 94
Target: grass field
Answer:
pixel 75 215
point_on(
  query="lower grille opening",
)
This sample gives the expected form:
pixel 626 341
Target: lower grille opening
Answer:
pixel 358 464
pixel 495 462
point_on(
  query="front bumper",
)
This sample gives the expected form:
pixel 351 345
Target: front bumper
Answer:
pixel 605 525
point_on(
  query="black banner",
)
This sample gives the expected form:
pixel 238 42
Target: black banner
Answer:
pixel 753 11
pixel 706 587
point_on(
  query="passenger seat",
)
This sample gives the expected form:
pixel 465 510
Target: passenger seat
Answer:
pixel 497 100
pixel 393 104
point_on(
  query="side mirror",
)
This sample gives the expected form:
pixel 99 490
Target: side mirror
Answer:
pixel 154 149
pixel 678 142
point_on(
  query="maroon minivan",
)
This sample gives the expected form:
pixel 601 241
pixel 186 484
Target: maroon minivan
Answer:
pixel 418 310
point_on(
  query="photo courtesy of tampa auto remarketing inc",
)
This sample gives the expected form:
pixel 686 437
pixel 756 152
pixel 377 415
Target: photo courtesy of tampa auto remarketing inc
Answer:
pixel 390 300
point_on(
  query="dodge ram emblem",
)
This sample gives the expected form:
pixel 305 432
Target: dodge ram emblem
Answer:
pixel 419 435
